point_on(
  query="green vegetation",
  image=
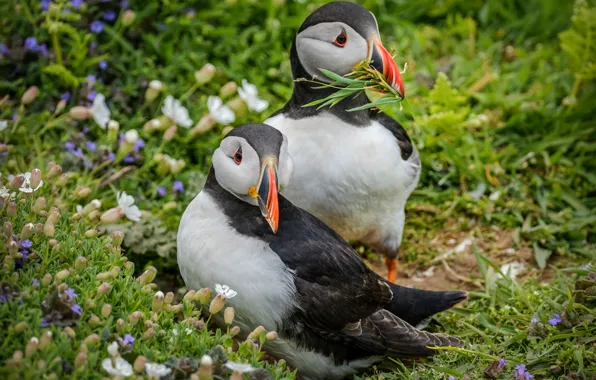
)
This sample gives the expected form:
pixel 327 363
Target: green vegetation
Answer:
pixel 499 103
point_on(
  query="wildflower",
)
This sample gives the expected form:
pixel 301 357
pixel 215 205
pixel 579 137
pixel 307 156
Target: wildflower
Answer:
pixel 76 308
pixel 76 3
pixel 157 303
pixel 113 349
pixel 178 187
pixel 534 320
pixel 31 44
pixel 35 282
pixel 65 96
pixel 555 320
pixel 3 125
pixel 91 79
pixel 45 4
pixel 80 360
pixel 250 95
pixel 205 367
pixel 126 207
pixel 220 112
pixel 70 292
pixel 124 4
pixel 3 49
pixel 229 315
pixel 161 191
pixel 128 340
pixel 117 367
pixel 109 15
pixel 225 291
pixel 239 367
pixel 521 373
pixel 128 17
pixel 155 370
pixel 100 111
pixel 502 363
pixel 271 335
pixel 26 187
pixel 96 26
pixel 91 95
pixel 176 112
pixel 31 347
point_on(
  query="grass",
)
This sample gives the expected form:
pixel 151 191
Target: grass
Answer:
pixel 499 105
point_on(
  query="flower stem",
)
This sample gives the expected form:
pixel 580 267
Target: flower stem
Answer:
pixel 57 50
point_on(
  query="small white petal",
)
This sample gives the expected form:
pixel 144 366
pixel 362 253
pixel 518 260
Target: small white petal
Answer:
pixel 126 204
pixel 122 367
pixel 131 136
pixel 225 291
pixel 250 95
pixel 173 109
pixel 3 125
pixel 155 369
pixel 100 111
pixel 113 349
pixel 239 367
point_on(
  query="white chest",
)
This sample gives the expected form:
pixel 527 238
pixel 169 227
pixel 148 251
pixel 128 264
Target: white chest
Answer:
pixel 353 178
pixel 211 252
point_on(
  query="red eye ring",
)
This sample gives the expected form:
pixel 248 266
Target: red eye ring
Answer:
pixel 238 156
pixel 341 40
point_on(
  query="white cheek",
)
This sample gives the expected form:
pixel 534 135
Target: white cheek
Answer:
pixel 316 54
pixel 286 170
pixel 235 178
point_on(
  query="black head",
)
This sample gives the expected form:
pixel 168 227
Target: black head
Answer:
pixel 253 164
pixel 337 37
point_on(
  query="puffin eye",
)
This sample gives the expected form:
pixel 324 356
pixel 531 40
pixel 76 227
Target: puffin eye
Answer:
pixel 341 39
pixel 238 156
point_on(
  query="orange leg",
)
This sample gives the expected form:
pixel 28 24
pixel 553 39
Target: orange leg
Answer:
pixel 391 269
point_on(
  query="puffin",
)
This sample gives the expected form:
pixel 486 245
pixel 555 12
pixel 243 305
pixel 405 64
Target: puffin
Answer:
pixel 293 274
pixel 353 170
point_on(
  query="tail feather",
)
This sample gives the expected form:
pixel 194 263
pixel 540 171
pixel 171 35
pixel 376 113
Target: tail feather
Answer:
pixel 416 306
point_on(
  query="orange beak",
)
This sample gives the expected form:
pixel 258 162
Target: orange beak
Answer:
pixel 268 195
pixel 384 63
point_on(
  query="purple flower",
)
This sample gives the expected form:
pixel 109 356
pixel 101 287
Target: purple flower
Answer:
pixel 35 282
pixel 24 252
pixel 139 144
pixel 109 15
pixel 128 340
pixel 78 153
pixel 161 191
pixel 3 49
pixel 103 65
pixel 96 26
pixel 190 11
pixel 3 297
pixel 521 373
pixel 124 4
pixel 43 49
pixel 555 320
pixel 26 243
pixel 70 292
pixel 91 146
pixel 178 187
pixel 76 308
pixel 91 95
pixel 65 96
pixel 31 44
pixel 92 45
pixel 451 378
pixel 91 79
pixel 111 156
pixel 502 363
pixel 44 323
pixel 76 3
pixel 70 146
pixel 128 159
pixel 45 5
pixel 88 164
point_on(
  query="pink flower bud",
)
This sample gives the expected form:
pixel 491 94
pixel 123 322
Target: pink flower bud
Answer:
pixel 229 315
pixel 106 310
pixel 128 17
pixel 48 229
pixel 103 288
pixel 134 317
pixel 157 303
pixel 92 340
pixel 60 106
pixel 30 95
pixel 205 74
pixel 80 113
pixel 228 89
pixel 39 205
pixel 153 90
pixel 203 295
pixel 31 347
pixel 139 364
pixel 35 178
pixel 45 340
pixel 217 304
pixel 80 360
pixel 112 216
pixel 147 276
pixel 170 133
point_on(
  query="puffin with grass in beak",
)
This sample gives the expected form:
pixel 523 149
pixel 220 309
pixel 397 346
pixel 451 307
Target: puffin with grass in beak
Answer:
pixel 292 273
pixel 353 170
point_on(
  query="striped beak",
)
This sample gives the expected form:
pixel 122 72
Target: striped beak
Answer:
pixel 384 63
pixel 268 194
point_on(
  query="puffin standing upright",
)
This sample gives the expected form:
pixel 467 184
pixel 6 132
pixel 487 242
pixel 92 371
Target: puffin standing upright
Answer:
pixel 353 170
pixel 292 273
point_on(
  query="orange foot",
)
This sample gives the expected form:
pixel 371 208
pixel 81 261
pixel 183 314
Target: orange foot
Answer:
pixel 391 269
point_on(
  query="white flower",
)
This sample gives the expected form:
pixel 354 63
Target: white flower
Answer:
pixel 113 349
pixel 3 125
pixel 156 85
pixel 225 291
pixel 250 95
pixel 126 204
pixel 79 209
pixel 119 367
pixel 131 136
pixel 220 112
pixel 26 187
pixel 100 111
pixel 239 367
pixel 157 370
pixel 5 193
pixel 176 111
